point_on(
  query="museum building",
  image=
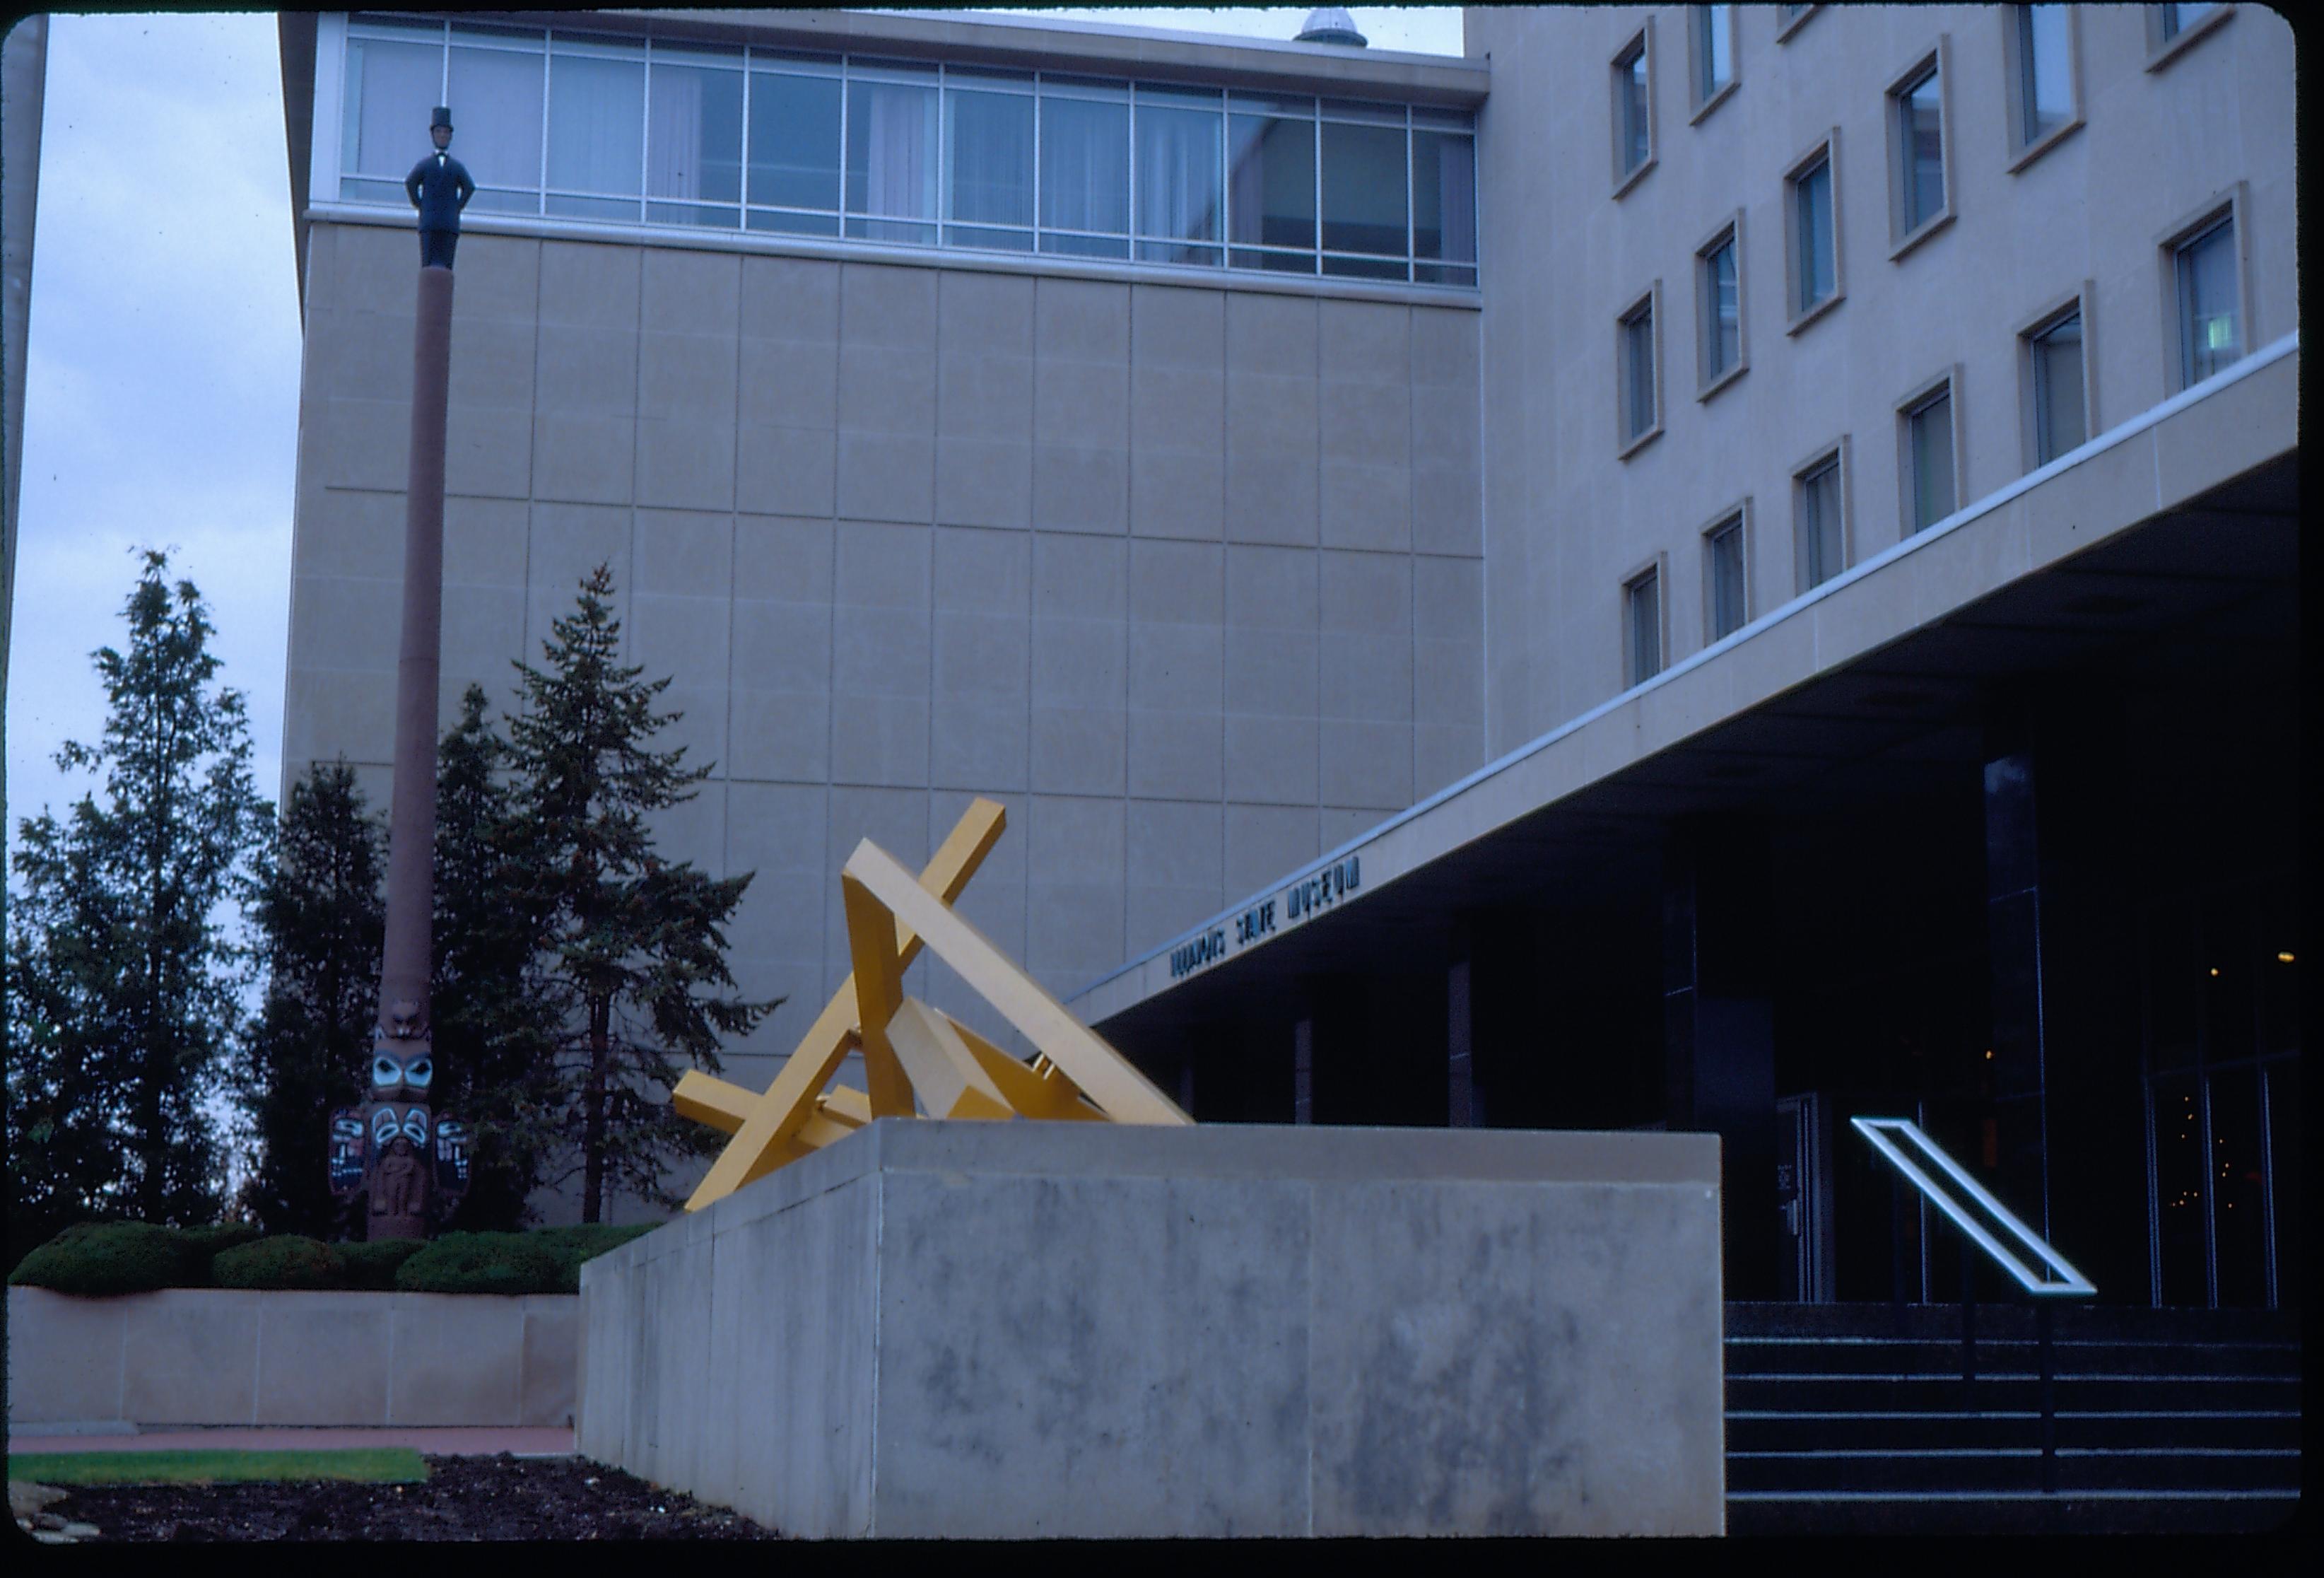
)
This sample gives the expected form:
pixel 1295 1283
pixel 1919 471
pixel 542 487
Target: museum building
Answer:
pixel 1697 567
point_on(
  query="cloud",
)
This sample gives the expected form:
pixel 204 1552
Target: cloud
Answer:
pixel 162 369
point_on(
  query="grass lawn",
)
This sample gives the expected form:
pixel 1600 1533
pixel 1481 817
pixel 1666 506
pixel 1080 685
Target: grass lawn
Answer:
pixel 376 1463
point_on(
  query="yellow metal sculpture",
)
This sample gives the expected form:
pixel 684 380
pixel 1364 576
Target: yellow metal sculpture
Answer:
pixel 912 1052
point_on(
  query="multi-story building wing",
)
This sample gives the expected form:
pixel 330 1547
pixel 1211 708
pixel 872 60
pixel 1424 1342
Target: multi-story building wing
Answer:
pixel 1711 566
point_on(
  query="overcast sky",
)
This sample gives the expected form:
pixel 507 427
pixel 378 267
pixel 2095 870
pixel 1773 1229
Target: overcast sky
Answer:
pixel 161 384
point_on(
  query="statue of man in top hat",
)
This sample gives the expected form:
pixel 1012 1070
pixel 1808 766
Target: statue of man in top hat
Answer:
pixel 439 188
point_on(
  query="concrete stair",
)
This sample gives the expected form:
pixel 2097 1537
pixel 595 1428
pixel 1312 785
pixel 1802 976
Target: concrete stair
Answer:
pixel 1855 1419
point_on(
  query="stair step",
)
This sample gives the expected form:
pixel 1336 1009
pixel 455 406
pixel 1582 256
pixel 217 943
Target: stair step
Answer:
pixel 1881 1355
pixel 2128 1393
pixel 2014 1468
pixel 2005 1512
pixel 2071 1321
pixel 1776 1430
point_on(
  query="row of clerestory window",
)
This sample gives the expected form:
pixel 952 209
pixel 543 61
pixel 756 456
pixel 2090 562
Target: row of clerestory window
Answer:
pixel 648 132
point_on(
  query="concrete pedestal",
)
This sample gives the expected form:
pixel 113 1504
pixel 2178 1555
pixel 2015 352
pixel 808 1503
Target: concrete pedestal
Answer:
pixel 1022 1330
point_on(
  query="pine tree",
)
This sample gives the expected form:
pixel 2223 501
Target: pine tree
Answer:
pixel 320 918
pixel 494 1017
pixel 121 979
pixel 635 952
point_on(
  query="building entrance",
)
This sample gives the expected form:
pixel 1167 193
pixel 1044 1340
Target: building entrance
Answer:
pixel 2222 1067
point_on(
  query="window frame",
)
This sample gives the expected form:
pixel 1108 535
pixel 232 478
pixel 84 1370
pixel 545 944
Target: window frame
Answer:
pixel 1699 18
pixel 1650 303
pixel 1728 231
pixel 1935 59
pixel 1836 452
pixel 2022 152
pixel 1946 384
pixel 2162 51
pixel 1739 516
pixel 1640 45
pixel 1654 568
pixel 2233 205
pixel 1785 26
pixel 2030 329
pixel 1825 151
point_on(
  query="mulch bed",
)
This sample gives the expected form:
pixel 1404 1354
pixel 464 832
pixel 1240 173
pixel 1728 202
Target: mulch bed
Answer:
pixel 502 1497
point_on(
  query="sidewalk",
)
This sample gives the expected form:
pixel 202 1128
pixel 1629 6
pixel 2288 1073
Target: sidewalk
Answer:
pixel 478 1442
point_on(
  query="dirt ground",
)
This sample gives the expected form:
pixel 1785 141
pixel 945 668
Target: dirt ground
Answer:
pixel 502 1497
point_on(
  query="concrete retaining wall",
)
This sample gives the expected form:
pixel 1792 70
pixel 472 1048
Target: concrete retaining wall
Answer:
pixel 1034 1329
pixel 206 1356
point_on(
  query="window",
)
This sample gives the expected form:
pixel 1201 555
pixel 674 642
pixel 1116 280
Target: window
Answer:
pixel 1928 422
pixel 1712 46
pixel 1364 198
pixel 2171 29
pixel 1642 627
pixel 1814 248
pixel 596 128
pixel 1641 405
pixel 1719 308
pixel 988 161
pixel 1444 199
pixel 1822 545
pixel 1271 183
pixel 794 171
pixel 2044 94
pixel 1788 18
pixel 1723 600
pixel 1916 151
pixel 1634 113
pixel 1085 167
pixel 2059 414
pixel 694 138
pixel 633 130
pixel 495 82
pixel 1182 196
pixel 2210 325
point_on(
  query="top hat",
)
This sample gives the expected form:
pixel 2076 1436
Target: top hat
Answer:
pixel 442 117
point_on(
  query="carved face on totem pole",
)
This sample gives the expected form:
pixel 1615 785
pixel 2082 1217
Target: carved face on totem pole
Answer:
pixel 412 1163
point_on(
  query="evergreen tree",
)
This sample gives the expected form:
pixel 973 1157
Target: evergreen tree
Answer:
pixel 494 1017
pixel 635 953
pixel 318 914
pixel 121 982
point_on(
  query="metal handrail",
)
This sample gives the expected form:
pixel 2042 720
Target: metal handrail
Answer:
pixel 2069 1283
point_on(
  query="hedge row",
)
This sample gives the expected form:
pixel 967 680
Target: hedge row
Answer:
pixel 98 1259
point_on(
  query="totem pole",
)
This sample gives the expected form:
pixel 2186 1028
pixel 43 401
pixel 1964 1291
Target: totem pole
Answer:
pixel 412 1164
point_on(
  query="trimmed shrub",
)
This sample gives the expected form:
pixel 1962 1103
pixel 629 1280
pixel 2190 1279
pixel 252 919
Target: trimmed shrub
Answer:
pixel 572 1245
pixel 370 1268
pixel 211 1241
pixel 288 1263
pixel 96 1260
pixel 482 1262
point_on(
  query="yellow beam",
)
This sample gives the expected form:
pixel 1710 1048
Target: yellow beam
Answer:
pixel 943 1072
pixel 844 1104
pixel 879 992
pixel 1108 1078
pixel 765 1141
pixel 1032 1092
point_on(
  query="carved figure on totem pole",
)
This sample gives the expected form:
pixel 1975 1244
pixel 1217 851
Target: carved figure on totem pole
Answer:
pixel 439 188
pixel 412 1163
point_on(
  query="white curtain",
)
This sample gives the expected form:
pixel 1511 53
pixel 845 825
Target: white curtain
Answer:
pixel 390 91
pixel 1178 174
pixel 496 110
pixel 674 137
pixel 899 157
pixel 597 118
pixel 1084 165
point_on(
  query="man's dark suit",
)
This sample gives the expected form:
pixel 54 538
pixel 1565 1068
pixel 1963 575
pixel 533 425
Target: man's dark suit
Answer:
pixel 439 188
